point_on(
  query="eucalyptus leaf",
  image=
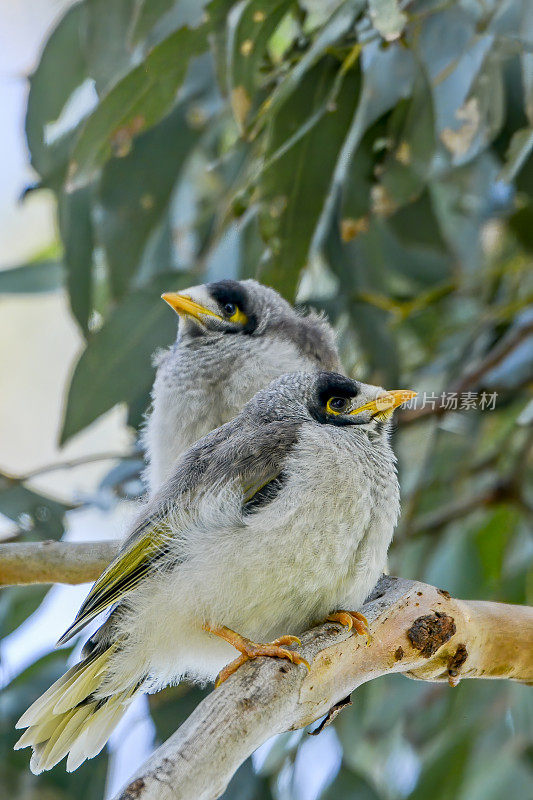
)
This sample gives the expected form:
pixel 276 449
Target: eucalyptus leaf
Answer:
pixel 444 775
pixel 340 23
pixel 526 30
pixel 134 192
pixel 76 228
pixel 36 277
pixel 135 103
pixel 38 515
pixel 294 189
pixel 17 603
pixel 108 52
pixel 146 16
pixel 518 153
pixel 250 27
pixel 60 71
pixel 387 18
pixel 348 786
pixel 118 358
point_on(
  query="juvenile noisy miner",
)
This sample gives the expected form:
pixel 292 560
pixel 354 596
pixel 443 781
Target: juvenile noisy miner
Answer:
pixel 273 521
pixel 234 337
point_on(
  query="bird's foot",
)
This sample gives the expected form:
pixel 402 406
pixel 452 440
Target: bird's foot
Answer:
pixel 249 650
pixel 352 619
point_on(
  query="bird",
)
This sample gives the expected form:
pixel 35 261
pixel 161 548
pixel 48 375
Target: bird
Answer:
pixel 278 519
pixel 234 337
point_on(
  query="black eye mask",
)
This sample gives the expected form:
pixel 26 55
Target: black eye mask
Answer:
pixel 331 385
pixel 229 292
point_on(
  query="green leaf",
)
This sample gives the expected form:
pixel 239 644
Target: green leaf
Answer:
pixel 250 27
pixel 378 96
pixel 294 187
pixel 117 362
pixel 387 18
pixel 148 13
pixel 246 784
pixel 349 786
pixel 520 223
pixel 357 189
pixel 369 323
pixel 517 154
pixel 412 129
pixel 39 514
pixel 171 707
pixel 341 21
pixel 104 41
pixel 135 103
pixel 135 191
pixel 60 71
pixel 526 29
pixel 492 538
pixel 444 775
pixel 36 277
pixel 217 12
pixel 76 228
pixel 458 219
pixel 17 603
pixel 479 118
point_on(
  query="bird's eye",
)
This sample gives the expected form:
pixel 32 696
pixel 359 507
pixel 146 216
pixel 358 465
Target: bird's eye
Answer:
pixel 336 405
pixel 233 313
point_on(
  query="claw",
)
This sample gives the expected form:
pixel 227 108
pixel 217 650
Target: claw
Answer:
pixel 352 619
pixel 249 650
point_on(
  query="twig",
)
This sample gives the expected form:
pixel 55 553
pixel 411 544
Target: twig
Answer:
pixel 71 463
pixel 472 378
pixel 499 492
pixel 54 562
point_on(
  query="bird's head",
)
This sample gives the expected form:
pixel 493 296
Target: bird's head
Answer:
pixel 249 309
pixel 332 399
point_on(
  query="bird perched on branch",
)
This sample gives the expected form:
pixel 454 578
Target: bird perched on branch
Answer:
pixel 234 337
pixel 272 522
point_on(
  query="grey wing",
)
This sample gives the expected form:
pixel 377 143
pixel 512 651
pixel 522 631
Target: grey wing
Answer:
pixel 252 455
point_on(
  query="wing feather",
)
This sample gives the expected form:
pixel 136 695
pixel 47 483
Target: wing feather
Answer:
pixel 123 574
pixel 251 454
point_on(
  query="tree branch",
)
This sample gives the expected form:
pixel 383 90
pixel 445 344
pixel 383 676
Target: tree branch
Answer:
pixel 54 562
pixel 416 629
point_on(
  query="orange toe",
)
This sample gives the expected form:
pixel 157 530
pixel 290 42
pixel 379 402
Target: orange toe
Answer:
pixel 352 619
pixel 250 650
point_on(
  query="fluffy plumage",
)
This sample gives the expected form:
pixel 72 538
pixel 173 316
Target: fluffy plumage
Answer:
pixel 216 365
pixel 316 542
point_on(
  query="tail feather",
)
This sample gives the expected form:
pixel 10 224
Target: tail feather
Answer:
pixel 75 716
pixel 36 734
pixel 45 703
pixel 100 726
pixel 84 683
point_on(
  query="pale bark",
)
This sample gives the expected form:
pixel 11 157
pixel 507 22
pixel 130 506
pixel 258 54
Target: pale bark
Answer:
pixel 54 562
pixel 416 630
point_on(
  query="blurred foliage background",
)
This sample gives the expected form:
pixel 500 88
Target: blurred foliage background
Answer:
pixel 373 159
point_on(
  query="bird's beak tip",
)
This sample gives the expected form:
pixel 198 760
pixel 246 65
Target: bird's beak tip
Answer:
pixel 168 297
pixel 393 399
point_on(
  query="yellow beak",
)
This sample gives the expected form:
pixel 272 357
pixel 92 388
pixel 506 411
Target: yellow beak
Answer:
pixel 383 406
pixel 186 307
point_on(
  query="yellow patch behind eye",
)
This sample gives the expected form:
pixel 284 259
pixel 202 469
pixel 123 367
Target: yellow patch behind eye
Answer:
pixel 239 317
